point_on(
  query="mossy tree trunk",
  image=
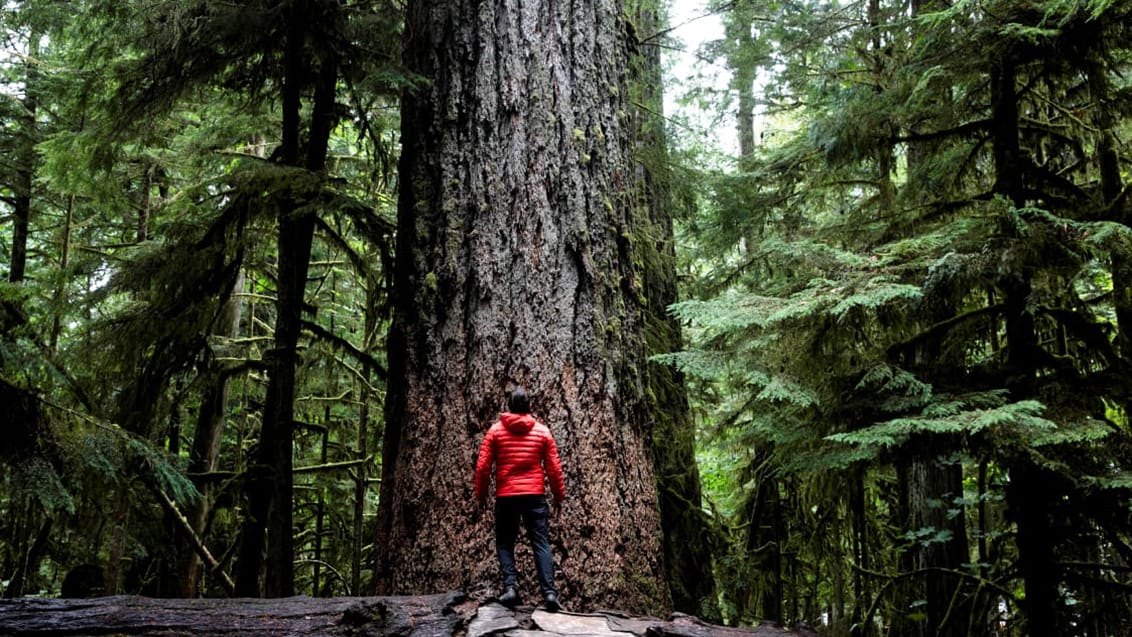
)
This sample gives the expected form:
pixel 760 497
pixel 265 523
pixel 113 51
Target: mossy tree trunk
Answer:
pixel 688 533
pixel 267 545
pixel 516 264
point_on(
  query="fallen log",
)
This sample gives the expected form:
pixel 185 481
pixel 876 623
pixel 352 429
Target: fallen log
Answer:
pixel 444 615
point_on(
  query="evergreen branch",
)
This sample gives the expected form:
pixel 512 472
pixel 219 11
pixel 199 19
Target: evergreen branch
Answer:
pixel 945 133
pixel 935 330
pixel 337 341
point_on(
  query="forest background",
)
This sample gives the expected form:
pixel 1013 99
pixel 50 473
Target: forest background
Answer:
pixel 903 303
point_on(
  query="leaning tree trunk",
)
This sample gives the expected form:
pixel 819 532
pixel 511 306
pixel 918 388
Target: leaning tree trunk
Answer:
pixel 204 457
pixel 515 265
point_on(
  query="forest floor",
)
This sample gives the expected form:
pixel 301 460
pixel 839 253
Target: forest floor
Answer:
pixel 446 615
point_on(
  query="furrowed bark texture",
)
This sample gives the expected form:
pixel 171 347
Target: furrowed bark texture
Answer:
pixel 515 266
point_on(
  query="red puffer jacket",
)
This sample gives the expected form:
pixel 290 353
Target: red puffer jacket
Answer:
pixel 524 453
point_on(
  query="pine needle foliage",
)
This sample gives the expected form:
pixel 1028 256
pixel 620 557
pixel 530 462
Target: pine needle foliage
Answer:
pixel 156 194
pixel 871 277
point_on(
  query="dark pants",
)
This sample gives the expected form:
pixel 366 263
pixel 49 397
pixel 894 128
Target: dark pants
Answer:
pixel 535 513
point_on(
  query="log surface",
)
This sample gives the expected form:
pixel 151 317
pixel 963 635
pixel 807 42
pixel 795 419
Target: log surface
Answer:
pixel 444 615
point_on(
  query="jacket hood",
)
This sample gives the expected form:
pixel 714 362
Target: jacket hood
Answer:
pixel 517 423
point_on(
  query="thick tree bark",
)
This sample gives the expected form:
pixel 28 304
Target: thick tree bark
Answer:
pixel 516 266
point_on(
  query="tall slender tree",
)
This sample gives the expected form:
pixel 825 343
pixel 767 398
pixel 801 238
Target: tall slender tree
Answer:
pixel 270 485
pixel 689 536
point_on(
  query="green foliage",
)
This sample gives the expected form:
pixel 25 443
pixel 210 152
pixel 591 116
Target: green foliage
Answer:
pixel 1020 420
pixel 869 303
pixel 155 201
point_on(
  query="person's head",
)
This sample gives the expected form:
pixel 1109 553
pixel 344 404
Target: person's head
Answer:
pixel 518 403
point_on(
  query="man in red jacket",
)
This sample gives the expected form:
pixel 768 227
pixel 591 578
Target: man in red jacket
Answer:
pixel 523 454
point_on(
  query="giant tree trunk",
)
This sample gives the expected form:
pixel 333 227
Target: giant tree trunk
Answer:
pixel 515 266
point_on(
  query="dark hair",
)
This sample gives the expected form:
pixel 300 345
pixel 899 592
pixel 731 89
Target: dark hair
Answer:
pixel 518 403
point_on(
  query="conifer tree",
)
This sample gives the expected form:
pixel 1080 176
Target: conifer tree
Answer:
pixel 932 300
pixel 520 214
pixel 151 170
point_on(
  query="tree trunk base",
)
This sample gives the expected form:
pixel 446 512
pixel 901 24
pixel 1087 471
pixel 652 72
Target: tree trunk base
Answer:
pixel 444 615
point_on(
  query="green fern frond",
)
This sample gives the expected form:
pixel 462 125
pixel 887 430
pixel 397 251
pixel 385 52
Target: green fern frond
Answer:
pixel 1121 482
pixel 1106 236
pixel 900 389
pixel 805 303
pixel 726 313
pixel 168 477
pixel 940 241
pixel 818 254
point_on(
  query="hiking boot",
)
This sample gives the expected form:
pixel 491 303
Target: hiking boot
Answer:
pixel 551 602
pixel 509 597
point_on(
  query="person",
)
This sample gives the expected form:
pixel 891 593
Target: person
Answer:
pixel 521 454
